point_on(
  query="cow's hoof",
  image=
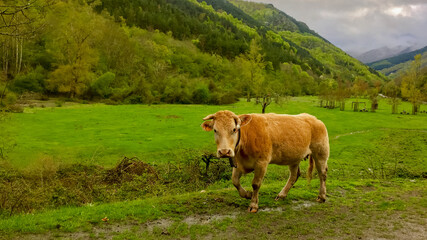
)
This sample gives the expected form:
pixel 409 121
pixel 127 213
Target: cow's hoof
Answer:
pixel 279 197
pixel 320 200
pixel 252 209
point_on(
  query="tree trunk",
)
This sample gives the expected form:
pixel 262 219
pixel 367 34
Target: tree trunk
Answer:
pixel 17 54
pixel 20 57
pixel 373 106
pixel 414 109
pixel 342 106
pixel 248 97
pixel 6 59
pixel 356 106
pixel 266 100
pixel 2 94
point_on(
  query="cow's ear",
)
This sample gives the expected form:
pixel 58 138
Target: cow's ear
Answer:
pixel 208 117
pixel 207 126
pixel 245 119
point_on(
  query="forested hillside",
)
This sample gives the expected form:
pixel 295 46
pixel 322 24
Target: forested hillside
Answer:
pixel 170 51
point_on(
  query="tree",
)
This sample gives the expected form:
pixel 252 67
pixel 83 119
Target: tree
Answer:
pixel 413 83
pixel 392 91
pixel 327 89
pixel 73 46
pixel 342 92
pixel 359 89
pixel 251 67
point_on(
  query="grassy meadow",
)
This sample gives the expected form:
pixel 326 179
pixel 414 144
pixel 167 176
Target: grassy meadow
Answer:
pixel 102 134
pixel 377 170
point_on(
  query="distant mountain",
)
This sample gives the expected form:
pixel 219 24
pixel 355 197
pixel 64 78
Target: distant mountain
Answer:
pixel 381 53
pixel 397 64
pixel 391 61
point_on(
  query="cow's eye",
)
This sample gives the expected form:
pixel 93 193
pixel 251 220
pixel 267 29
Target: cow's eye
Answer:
pixel 214 130
pixel 234 130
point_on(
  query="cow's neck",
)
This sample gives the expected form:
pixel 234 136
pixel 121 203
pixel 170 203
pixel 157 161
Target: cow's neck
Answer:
pixel 236 148
pixel 232 160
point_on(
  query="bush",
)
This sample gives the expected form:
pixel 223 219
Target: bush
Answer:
pixel 33 81
pixel 15 108
pixel 101 86
pixel 133 99
pixel 201 95
pixel 218 98
pixel 120 94
pixel 10 98
pixel 59 103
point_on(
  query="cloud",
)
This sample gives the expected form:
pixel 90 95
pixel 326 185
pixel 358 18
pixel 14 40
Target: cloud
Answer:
pixel 359 26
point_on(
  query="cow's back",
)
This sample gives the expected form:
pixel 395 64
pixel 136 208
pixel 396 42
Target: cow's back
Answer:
pixel 284 138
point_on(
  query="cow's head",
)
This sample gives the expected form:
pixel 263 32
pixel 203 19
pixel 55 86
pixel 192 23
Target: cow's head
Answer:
pixel 226 126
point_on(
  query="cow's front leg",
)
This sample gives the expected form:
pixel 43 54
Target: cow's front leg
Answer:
pixel 256 184
pixel 235 178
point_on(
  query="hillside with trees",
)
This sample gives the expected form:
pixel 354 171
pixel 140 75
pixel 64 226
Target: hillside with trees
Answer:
pixel 164 51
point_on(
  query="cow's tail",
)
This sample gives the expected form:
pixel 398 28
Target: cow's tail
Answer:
pixel 310 168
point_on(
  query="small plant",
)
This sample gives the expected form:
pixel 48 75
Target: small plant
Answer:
pixel 59 103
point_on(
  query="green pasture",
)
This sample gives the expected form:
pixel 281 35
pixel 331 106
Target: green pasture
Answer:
pixel 103 134
pixel 377 171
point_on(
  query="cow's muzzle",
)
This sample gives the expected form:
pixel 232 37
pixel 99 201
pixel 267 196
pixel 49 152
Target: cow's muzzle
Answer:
pixel 225 153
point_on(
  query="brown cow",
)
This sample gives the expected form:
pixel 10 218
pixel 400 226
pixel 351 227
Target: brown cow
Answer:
pixel 253 141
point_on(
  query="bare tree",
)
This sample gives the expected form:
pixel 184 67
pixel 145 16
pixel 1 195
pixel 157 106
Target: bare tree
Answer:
pixel 266 100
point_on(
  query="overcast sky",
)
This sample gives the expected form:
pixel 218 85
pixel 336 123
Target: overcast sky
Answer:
pixel 362 25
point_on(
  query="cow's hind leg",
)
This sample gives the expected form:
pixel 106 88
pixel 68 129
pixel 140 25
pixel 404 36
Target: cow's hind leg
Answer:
pixel 235 178
pixel 293 177
pixel 256 184
pixel 322 169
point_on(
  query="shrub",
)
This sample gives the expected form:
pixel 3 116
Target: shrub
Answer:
pixel 32 81
pixel 101 86
pixel 10 98
pixel 218 98
pixel 59 103
pixel 201 95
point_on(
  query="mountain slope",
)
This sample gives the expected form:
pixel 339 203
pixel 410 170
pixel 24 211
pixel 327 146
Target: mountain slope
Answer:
pixel 392 61
pixel 333 59
pixel 274 18
pixel 401 68
pixel 226 28
pixel 381 53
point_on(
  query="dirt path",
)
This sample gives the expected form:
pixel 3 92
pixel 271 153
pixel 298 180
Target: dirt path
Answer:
pixel 270 223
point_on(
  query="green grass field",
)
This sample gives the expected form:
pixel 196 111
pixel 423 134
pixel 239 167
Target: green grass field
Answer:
pixel 102 134
pixel 377 171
